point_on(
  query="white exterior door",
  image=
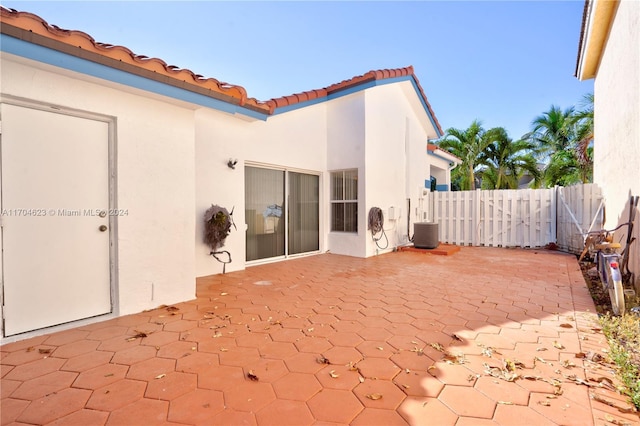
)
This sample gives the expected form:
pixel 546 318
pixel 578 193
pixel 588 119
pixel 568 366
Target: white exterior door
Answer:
pixel 55 243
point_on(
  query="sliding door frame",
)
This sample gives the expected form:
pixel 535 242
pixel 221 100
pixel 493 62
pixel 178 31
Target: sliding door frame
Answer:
pixel 286 171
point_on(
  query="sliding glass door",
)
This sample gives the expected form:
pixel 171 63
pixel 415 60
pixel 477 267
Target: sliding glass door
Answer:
pixel 276 227
pixel 304 205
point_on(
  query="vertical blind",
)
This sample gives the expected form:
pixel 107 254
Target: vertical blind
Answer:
pixel 267 215
pixel 264 212
pixel 344 201
pixel 304 206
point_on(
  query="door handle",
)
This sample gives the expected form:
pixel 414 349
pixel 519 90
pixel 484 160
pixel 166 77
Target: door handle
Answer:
pixel 102 228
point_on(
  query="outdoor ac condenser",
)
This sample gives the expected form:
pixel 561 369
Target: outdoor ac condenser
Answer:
pixel 425 235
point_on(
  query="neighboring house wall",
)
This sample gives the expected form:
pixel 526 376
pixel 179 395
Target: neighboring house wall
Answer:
pixel 617 121
pixel 155 182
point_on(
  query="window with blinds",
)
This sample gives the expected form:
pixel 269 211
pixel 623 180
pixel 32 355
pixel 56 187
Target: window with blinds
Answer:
pixel 344 201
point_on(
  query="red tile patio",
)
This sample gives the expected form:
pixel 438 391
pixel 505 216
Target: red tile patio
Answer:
pixel 483 336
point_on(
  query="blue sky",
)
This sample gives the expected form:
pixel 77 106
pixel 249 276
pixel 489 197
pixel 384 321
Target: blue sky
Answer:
pixel 502 62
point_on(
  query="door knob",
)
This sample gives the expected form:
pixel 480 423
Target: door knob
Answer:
pixel 102 228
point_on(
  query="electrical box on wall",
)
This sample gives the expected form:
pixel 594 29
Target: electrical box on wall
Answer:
pixel 391 215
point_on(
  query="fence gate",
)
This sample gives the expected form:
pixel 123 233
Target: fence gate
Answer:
pixel 580 210
pixel 517 218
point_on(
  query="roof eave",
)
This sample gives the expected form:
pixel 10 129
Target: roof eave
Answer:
pixel 597 18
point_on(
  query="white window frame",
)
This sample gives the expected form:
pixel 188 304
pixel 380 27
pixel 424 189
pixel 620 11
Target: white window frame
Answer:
pixel 343 200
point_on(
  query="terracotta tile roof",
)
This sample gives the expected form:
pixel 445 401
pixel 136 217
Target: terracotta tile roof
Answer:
pixel 29 26
pixel 354 82
pixel 431 147
pixel 32 28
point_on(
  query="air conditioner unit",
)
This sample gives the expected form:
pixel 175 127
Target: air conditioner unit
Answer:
pixel 425 235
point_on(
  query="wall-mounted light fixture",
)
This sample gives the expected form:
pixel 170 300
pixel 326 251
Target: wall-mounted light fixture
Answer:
pixel 232 163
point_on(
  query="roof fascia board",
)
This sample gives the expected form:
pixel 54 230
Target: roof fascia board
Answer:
pixel 596 25
pixel 444 155
pixel 360 87
pixel 73 63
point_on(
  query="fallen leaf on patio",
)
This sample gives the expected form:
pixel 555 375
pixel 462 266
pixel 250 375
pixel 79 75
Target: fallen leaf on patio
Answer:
pixel 471 377
pixel 567 363
pixel 488 350
pixel 139 335
pixel 172 309
pixel 565 325
pixel 581 355
pixel 108 375
pixel 578 380
pixel 160 376
pixel 505 402
pixel 352 366
pixel 252 376
pixel 322 360
pixel 374 396
pixel 405 386
pixel 539 360
pixel 594 356
pixel 360 379
pixel 380 348
pixel 508 365
pixel 552 396
pixel 310 330
pixel 31 349
pixel 224 350
pixel 558 345
pixel 224 294
pixel 625 410
pixel 333 374
pixel 44 351
pixel 454 359
pixel 437 346
pixel 604 382
pixel 456 337
pixel 500 373
pixel 541 349
pixel 545 403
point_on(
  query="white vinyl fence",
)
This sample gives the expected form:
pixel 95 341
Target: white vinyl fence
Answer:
pixel 516 218
pixel 580 210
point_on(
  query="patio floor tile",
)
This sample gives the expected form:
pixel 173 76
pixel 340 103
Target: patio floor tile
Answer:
pixel 116 395
pixel 283 412
pixel 402 338
pixel 142 412
pixel 337 406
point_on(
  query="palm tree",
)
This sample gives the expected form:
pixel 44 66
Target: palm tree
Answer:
pixel 506 161
pixel 554 134
pixel 584 135
pixel 468 145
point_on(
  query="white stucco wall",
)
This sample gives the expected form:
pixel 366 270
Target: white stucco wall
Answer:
pixel 294 141
pixel 617 121
pixel 397 162
pixel 345 149
pixel 155 163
